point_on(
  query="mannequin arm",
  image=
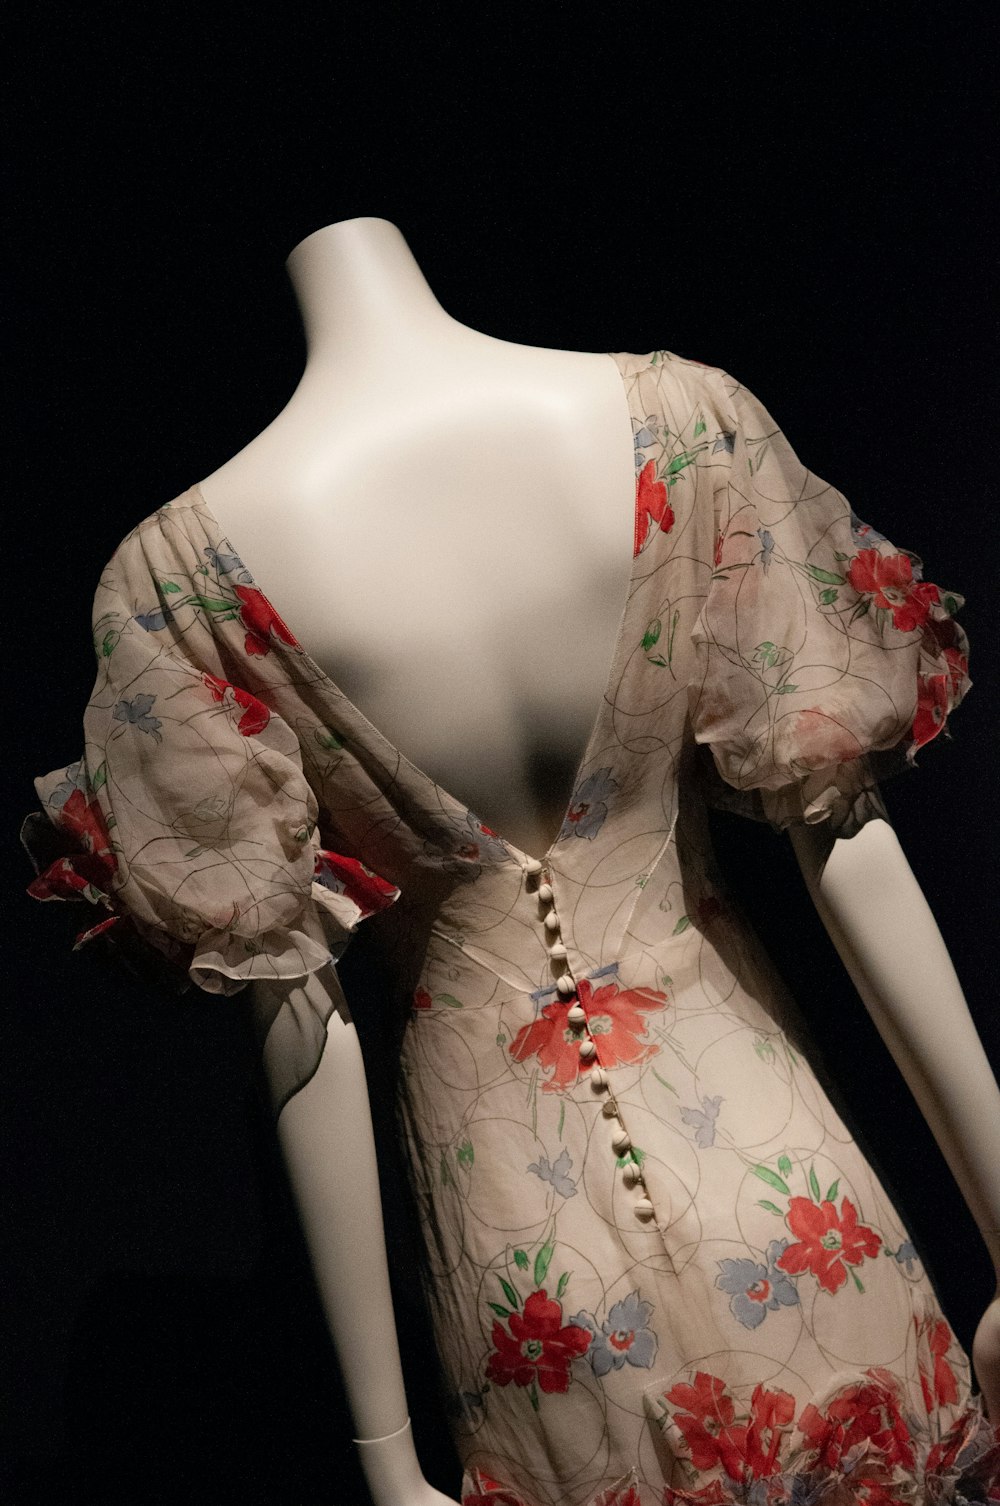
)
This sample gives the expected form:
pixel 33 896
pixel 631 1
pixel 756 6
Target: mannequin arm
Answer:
pixel 881 924
pixel 327 1141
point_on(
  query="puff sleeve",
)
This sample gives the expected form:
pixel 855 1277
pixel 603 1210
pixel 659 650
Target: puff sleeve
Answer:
pixel 824 660
pixel 188 822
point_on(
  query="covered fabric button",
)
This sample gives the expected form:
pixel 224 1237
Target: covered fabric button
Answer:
pixel 609 1108
pixel 552 921
pixel 598 1079
pixel 621 1141
pixel 643 1208
pixel 575 1015
pixel 630 1174
pixel 566 986
pixel 557 951
pixel 587 1050
pixel 532 866
pixel 546 892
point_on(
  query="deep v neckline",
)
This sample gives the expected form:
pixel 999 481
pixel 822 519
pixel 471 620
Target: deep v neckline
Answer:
pixel 387 750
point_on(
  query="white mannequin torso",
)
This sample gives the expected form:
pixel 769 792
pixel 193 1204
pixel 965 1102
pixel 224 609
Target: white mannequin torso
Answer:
pixel 427 513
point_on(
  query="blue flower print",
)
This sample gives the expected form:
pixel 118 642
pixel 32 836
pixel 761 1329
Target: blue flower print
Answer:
pixel 624 1337
pixel 863 534
pixel 726 441
pixel 906 1255
pixel 136 711
pixel 588 807
pixel 703 1120
pixel 557 1174
pixel 766 548
pixel 645 435
pixel 226 563
pixel 156 620
pixel 756 1289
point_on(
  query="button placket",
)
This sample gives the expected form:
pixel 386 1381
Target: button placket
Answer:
pixel 539 881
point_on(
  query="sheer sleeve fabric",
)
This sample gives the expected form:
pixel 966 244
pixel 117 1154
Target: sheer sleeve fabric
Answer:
pixel 824 659
pixel 188 821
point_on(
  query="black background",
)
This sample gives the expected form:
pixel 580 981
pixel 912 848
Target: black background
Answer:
pixel 802 200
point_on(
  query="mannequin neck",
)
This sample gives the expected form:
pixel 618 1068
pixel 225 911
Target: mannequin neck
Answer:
pixel 362 295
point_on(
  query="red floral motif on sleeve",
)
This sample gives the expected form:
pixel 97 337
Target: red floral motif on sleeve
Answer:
pixel 369 891
pixel 260 620
pixel 93 868
pixel 615 1019
pixel 538 1347
pixel 255 714
pixel 651 506
pixel 826 1240
pixel 888 580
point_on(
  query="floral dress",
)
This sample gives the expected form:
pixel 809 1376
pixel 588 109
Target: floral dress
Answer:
pixel 659 1268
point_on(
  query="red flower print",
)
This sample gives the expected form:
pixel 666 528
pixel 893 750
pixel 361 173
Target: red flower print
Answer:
pixel 747 1450
pixel 344 875
pixel 260 620
pixel 712 1494
pixel 717 558
pixel 68 877
pixel 486 1491
pixel 703 1410
pixel 538 1346
pixel 862 1412
pixel 613 1497
pixel 938 1383
pixel 614 1019
pixel 932 708
pixel 422 998
pixel 958 668
pixel 826 1241
pixel 888 580
pixel 651 505
pixel 255 714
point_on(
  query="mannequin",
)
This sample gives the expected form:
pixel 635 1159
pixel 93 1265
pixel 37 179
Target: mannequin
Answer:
pixel 552 444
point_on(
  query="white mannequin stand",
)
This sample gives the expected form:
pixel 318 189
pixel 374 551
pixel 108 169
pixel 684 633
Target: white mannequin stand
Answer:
pixel 495 442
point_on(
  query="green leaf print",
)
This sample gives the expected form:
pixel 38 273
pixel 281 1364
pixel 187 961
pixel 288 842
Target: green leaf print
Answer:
pixel 767 653
pixel 563 1283
pixel 465 1155
pixel 831 1191
pixel 784 1165
pixel 863 606
pixel 652 633
pixel 326 738
pixel 562 1118
pixel 542 1260
pixel 501 1312
pixel 950 605
pixel 814 1184
pixel 450 1000
pixel 856 1279
pixel 678 463
pixel 829 596
pixel 681 925
pixel 828 577
pixel 663 1083
pixel 533 1394
pixel 772 1179
pixel 110 643
pixel 771 1207
pixel 700 426
pixel 101 777
pixel 168 586
pixel 509 1292
pixel 785 689
pixel 838 555
pixel 214 604
pixel 521 1260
